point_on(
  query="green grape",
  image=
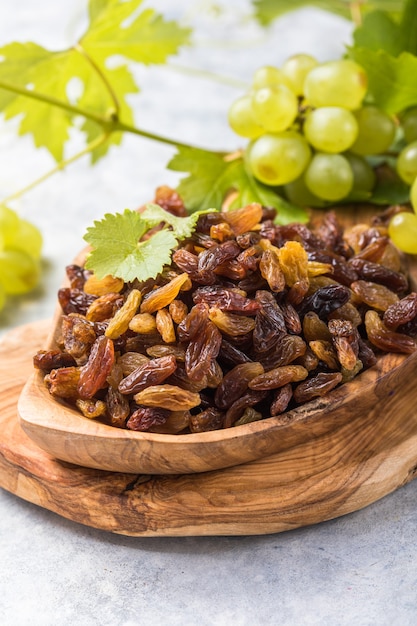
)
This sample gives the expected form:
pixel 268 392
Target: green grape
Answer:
pixel 19 272
pixel 409 125
pixel 407 163
pixel 364 177
pixel 9 224
pixel 28 239
pixel 296 68
pixel 277 159
pixel 403 231
pixel 376 131
pixel 241 118
pixel 329 176
pixel 274 108
pixel 336 83
pixel 299 194
pixel 331 129
pixel 413 195
pixel 267 76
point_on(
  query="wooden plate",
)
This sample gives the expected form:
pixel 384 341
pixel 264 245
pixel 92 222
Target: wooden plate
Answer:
pixel 384 393
pixel 325 477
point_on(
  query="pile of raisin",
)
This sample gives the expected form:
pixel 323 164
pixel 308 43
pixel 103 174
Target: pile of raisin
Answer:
pixel 250 320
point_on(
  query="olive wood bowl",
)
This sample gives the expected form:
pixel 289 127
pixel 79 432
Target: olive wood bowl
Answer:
pixel 384 394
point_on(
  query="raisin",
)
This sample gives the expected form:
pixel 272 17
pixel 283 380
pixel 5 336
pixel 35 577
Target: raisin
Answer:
pixel 374 295
pixel 374 272
pixel 119 324
pixel 269 323
pixel 165 326
pixel 47 360
pixel 91 408
pixel 210 419
pixel 74 300
pixel 94 373
pixel 150 373
pixel 384 339
pixel 249 399
pixel 325 352
pixel 193 322
pixel 231 355
pixel 168 397
pixel 325 300
pixel 225 299
pixel 282 398
pixel 170 200
pixel 210 259
pixel 163 296
pixel 104 307
pixel 278 377
pixel 244 219
pixel 77 276
pixel 118 407
pixel 271 271
pixel 78 335
pixel 235 383
pixel 63 382
pixel 317 386
pixel 286 350
pixel 103 286
pixel 143 418
pixel 231 324
pixel 401 312
pixel 202 350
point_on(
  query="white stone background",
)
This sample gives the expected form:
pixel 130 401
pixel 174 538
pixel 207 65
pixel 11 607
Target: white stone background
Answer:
pixel 360 569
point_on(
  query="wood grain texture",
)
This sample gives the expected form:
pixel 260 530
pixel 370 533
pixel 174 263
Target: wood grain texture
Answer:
pixel 334 471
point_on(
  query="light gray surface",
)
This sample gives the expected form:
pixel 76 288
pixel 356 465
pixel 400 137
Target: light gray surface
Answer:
pixel 360 569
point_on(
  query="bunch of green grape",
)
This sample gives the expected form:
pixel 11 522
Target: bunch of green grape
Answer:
pixel 313 134
pixel 20 252
pixel 403 226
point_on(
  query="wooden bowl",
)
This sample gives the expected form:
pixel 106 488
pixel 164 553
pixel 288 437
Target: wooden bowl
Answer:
pixel 382 397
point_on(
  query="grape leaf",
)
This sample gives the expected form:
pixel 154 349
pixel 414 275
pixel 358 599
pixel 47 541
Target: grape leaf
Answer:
pixel 391 79
pixel 408 26
pixel 118 251
pixel 211 177
pixel 117 27
pixel 379 32
pixel 266 11
pixel 182 227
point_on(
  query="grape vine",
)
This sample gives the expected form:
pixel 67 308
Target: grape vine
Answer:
pixel 318 133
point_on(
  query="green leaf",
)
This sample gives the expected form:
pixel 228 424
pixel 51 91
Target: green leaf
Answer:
pixel 379 32
pixel 183 227
pixel 266 11
pixel 409 26
pixel 118 251
pixel 392 82
pixel 117 28
pixel 211 177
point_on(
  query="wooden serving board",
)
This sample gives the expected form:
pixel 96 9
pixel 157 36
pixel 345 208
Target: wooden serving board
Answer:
pixel 316 481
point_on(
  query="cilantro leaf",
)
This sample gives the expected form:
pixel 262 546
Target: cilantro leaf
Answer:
pixel 211 177
pixel 118 251
pixel 183 227
pixel 391 79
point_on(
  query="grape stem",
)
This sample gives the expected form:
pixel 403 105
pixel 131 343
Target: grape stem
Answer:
pixel 99 141
pixel 356 12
